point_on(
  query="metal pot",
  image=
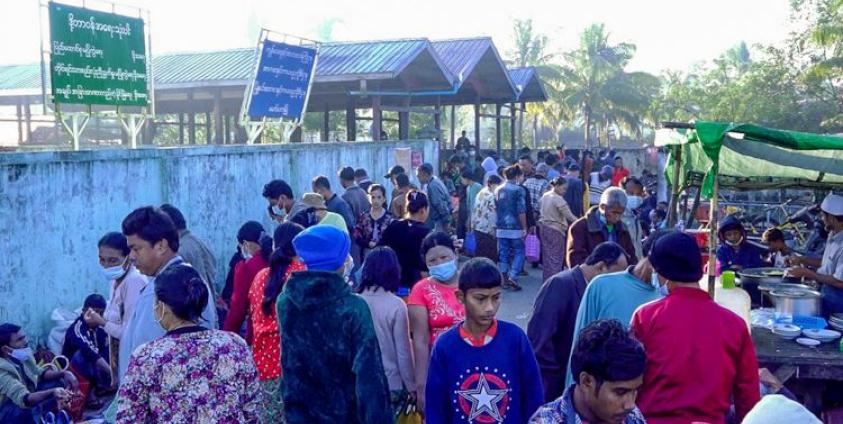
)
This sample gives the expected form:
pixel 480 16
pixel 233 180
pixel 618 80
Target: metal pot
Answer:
pixel 797 302
pixel 759 277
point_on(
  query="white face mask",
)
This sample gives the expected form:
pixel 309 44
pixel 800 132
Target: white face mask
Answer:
pixel 245 253
pixel 661 288
pixel 734 243
pixel 22 354
pixel 280 212
pixel 114 272
pixel 634 202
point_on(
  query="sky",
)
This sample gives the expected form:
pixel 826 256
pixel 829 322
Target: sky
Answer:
pixel 669 34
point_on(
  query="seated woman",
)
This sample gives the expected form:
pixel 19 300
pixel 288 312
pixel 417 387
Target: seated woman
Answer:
pixel 736 253
pixel 191 374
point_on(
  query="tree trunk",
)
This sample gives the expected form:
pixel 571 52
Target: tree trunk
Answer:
pixel 587 126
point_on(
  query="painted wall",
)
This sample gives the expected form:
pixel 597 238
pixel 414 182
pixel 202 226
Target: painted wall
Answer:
pixel 54 207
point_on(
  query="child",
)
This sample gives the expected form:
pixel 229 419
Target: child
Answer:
pixel 779 252
pixel 86 346
pixel 736 253
pixel 482 370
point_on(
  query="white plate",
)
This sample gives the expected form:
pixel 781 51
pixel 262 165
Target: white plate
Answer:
pixel 804 341
pixel 821 335
pixel 786 328
pixel 836 326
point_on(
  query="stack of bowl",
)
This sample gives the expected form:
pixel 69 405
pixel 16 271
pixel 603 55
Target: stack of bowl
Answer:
pixel 787 331
pixel 836 321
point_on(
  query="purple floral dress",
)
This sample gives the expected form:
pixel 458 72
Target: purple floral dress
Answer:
pixel 191 375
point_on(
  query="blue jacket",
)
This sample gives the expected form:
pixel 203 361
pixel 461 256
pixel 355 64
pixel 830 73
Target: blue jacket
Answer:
pixel 510 201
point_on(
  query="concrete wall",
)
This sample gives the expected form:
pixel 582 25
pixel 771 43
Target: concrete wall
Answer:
pixel 54 207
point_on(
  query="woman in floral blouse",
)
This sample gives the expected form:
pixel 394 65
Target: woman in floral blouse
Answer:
pixel 483 219
pixel 192 374
pixel 262 296
pixel 370 226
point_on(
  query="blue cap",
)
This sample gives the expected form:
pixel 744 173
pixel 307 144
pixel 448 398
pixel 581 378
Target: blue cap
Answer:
pixel 322 247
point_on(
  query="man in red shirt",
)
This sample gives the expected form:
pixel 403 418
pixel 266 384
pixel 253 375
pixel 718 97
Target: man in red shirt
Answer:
pixel 700 355
pixel 619 172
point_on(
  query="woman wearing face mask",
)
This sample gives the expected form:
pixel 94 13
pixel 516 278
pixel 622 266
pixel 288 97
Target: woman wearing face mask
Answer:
pixel 125 286
pixel 433 304
pixel 735 253
pixel 634 200
pixel 370 226
pixel 255 248
pixel 191 374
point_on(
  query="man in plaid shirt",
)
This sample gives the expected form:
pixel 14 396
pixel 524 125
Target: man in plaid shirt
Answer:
pixel 538 185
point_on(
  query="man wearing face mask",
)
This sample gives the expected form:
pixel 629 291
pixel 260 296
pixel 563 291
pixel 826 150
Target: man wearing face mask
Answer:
pixel 634 200
pixel 601 223
pixel 736 253
pixel 282 202
pixel 617 295
pixel 27 391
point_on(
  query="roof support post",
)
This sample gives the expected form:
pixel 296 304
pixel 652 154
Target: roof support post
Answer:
pixel 218 139
pixel 498 128
pixel 477 127
pixel 404 120
pixel 326 124
pixel 512 129
pixel 181 128
pixel 437 119
pixel 521 125
pixel 19 115
pixel 27 112
pixel 453 125
pixel 191 119
pixel 350 121
pixel 207 127
pixel 376 118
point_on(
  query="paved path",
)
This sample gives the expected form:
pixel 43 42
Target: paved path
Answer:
pixel 516 307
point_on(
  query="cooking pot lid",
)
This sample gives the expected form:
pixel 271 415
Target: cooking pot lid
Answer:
pixel 795 293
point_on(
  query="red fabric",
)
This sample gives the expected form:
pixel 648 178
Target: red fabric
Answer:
pixel 487 337
pixel 618 175
pixel 244 274
pixel 699 355
pixel 267 337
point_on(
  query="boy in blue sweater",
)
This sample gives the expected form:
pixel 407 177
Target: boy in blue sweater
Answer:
pixel 482 370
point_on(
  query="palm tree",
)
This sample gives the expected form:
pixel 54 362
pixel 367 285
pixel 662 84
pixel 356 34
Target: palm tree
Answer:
pixel 595 87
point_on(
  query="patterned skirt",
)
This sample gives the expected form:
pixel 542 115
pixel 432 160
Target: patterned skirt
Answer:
pixel 553 251
pixel 487 246
pixel 272 410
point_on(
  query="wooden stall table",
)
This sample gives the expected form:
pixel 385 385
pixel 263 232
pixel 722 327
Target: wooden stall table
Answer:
pixel 788 360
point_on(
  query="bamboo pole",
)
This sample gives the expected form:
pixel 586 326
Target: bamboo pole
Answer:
pixel 674 199
pixel 712 238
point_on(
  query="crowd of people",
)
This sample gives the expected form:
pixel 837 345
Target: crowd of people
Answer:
pixel 354 308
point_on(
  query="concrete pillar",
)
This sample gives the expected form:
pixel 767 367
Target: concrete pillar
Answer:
pixel 477 127
pixel 181 128
pixel 498 128
pixel 453 125
pixel 437 120
pixel 351 121
pixel 376 118
pixel 27 113
pixel 207 127
pixel 324 135
pixel 218 127
pixel 19 115
pixel 521 124
pixel 512 128
pixel 191 119
pixel 403 125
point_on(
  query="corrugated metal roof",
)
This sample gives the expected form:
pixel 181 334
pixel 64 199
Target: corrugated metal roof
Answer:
pixel 335 59
pixel 371 57
pixel 461 55
pixel 528 83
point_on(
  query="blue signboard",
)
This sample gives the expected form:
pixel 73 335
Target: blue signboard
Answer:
pixel 282 81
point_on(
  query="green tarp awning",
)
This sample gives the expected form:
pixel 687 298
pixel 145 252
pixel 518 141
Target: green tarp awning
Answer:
pixel 746 156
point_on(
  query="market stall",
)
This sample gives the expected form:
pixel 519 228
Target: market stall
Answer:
pixel 715 155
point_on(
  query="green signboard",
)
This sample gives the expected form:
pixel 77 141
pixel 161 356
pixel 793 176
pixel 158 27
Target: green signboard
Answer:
pixel 97 58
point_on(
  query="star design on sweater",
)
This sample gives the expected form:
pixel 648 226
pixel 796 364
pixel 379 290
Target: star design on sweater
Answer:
pixel 483 399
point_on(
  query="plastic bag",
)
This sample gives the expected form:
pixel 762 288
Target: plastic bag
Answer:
pixel 62 318
pixel 411 418
pixel 470 243
pixel 532 248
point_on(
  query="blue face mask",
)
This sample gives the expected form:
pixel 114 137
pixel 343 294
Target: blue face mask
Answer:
pixel 445 271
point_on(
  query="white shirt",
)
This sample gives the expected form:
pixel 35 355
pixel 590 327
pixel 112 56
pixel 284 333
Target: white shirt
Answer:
pixel 832 263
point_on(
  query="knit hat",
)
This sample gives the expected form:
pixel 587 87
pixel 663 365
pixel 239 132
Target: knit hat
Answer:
pixel 676 256
pixel 313 200
pixel 322 247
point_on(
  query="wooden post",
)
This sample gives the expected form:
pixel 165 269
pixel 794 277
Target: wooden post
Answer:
pixel 521 125
pixel 350 121
pixel 477 127
pixel 27 113
pixel 674 198
pixel 376 118
pixel 19 115
pixel 712 237
pixel 218 127
pixel 404 120
pixel 512 129
pixel 207 127
pixel 191 119
pixel 326 125
pixel 227 124
pixel 181 128
pixel 437 119
pixel 453 126
pixel 498 128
